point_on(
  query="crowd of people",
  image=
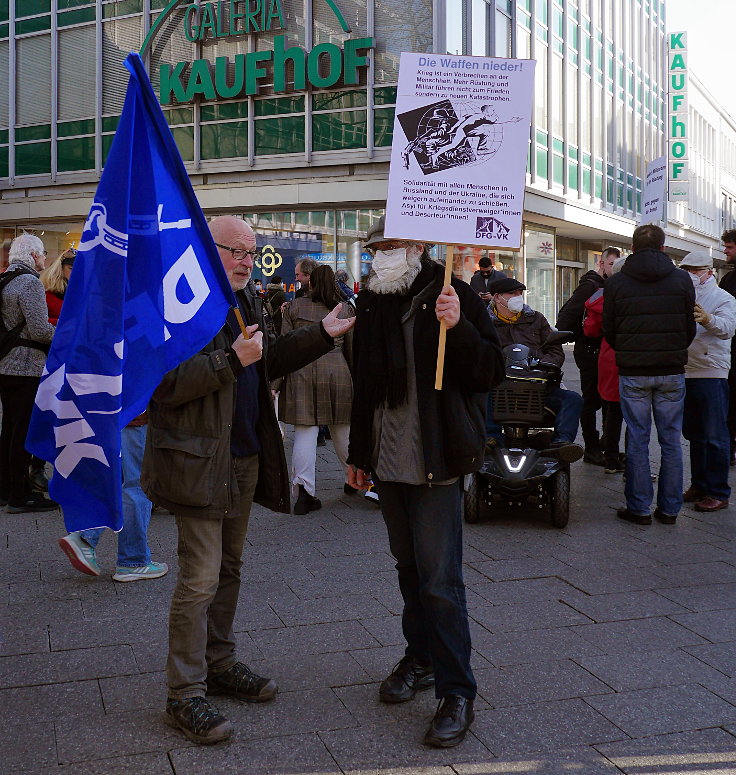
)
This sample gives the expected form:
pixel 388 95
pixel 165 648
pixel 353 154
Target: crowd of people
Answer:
pixel 651 339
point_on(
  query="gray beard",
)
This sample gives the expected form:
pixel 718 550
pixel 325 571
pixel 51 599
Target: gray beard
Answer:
pixel 394 286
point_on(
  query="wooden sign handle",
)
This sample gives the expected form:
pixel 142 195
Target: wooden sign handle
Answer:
pixel 241 322
pixel 443 333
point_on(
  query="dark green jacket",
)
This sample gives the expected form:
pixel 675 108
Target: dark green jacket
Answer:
pixel 187 465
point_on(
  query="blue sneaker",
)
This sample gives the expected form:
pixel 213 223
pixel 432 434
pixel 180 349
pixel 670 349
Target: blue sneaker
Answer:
pixel 81 555
pixel 154 570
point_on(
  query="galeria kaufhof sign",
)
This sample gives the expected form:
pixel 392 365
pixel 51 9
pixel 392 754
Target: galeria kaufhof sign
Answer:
pixel 288 68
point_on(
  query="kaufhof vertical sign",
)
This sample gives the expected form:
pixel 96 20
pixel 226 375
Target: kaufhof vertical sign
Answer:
pixel 285 68
pixel 677 117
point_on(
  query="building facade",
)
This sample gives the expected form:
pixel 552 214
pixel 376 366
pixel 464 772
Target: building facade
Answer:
pixel 283 112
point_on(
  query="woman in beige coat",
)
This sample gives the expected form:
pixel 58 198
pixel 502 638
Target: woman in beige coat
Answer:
pixel 320 393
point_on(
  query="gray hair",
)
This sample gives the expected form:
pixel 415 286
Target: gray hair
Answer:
pixel 341 275
pixel 23 247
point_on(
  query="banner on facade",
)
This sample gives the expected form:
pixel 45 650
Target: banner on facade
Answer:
pixel 678 117
pixel 461 138
pixel 654 194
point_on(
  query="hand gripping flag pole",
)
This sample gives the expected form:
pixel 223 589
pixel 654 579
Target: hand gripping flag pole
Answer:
pixel 148 291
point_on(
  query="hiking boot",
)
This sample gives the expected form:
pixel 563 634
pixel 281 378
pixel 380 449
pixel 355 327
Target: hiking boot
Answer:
pixel 241 682
pixel 198 720
pixel 34 502
pixel 406 679
pixel 81 555
pixel 306 502
pixel 154 570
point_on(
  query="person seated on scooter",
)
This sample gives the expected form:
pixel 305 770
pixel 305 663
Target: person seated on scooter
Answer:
pixel 517 323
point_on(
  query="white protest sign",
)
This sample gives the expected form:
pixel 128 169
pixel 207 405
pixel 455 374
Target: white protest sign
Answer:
pixel 654 194
pixel 458 160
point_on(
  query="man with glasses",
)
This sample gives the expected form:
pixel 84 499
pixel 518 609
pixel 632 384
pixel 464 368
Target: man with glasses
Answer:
pixel 705 424
pixel 213 448
pixel 648 320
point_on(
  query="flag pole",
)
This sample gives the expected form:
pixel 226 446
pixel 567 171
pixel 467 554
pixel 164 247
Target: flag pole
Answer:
pixel 241 322
pixel 443 328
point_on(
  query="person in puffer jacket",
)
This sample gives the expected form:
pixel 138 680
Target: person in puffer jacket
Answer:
pixel 705 422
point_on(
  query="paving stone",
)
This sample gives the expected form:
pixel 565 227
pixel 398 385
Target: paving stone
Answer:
pixel 655 632
pixel 704 598
pixel 705 752
pixel 524 684
pixel 533 646
pixel 50 701
pixel 523 590
pixel 528 568
pixel 312 671
pixel 131 692
pixel 522 616
pixel 148 763
pixel 722 656
pixel 42 612
pixel 385 629
pixel 610 580
pixel 27 744
pixel 113 735
pixel 397 748
pixel 35 669
pixel 692 575
pixel 582 760
pixel 331 610
pixel 714 625
pixel 315 638
pixel 623 605
pixel 686 553
pixel 106 632
pixel 23 637
pixel 658 711
pixel 543 726
pixel 302 754
pixel 637 669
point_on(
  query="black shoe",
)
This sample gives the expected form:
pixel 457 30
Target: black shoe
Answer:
pixel 198 720
pixel 241 682
pixel 564 451
pixel 450 723
pixel 34 502
pixel 594 456
pixel 614 465
pixel 349 489
pixel 306 502
pixel 406 679
pixel 637 519
pixel 321 436
pixel 38 480
pixel 665 519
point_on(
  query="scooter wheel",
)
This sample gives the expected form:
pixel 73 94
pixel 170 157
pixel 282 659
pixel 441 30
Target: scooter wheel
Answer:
pixel 560 498
pixel 472 499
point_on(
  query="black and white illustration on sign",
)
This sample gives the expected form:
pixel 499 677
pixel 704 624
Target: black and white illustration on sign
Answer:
pixel 451 133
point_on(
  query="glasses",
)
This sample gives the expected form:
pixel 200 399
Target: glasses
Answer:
pixel 240 253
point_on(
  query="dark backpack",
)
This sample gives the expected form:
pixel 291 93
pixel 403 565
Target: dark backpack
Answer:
pixel 10 337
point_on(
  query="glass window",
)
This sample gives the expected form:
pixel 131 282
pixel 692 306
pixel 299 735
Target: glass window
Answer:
pixel 479 27
pixel 539 252
pixel 77 154
pixel 334 131
pixel 119 37
pixel 33 80
pixel 540 87
pixel 503 35
pixel 33 159
pixel 77 79
pixel 399 26
pixel 224 141
pixel 280 135
pixel 383 127
pixel 454 26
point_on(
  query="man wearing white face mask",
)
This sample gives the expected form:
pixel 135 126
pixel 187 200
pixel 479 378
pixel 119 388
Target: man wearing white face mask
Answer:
pixel 705 420
pixel 417 443
pixel 517 323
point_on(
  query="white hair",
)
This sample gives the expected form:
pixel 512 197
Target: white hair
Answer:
pixel 22 249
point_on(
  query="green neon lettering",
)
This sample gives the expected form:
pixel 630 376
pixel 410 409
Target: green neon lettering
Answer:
pixel 679 149
pixel 281 55
pixel 676 40
pixel 225 90
pixel 677 100
pixel 200 81
pixel 170 83
pixel 252 70
pixel 678 81
pixel 354 60
pixel 334 71
pixel 677 128
pixel 251 16
pixel 678 62
pixel 275 11
pixel 191 23
pixel 677 169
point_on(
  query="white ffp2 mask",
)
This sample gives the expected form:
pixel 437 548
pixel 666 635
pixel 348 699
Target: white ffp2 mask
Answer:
pixel 390 265
pixel 515 303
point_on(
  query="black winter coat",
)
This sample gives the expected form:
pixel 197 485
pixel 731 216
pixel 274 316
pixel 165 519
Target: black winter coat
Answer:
pixel 480 284
pixel 570 316
pixel 452 419
pixel 648 315
pixel 728 283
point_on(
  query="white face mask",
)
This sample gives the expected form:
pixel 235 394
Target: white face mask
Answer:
pixel 515 304
pixel 390 265
pixel 697 281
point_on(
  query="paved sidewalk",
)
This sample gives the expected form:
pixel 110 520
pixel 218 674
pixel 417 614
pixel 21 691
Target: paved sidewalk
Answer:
pixel 601 648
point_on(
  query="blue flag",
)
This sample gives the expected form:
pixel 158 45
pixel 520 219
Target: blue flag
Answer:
pixel 148 291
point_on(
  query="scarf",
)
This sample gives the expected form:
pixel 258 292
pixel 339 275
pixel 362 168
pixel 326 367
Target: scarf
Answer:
pixel 381 369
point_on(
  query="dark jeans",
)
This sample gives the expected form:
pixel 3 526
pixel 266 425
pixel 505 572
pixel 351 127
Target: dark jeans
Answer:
pixel 566 404
pixel 704 426
pixel 612 421
pixel 586 358
pixel 426 538
pixel 732 404
pixel 201 635
pixel 17 395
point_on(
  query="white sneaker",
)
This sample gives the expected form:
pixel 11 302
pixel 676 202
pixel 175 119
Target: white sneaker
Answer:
pixel 154 570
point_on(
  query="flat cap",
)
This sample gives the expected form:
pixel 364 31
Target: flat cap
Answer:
pixel 505 285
